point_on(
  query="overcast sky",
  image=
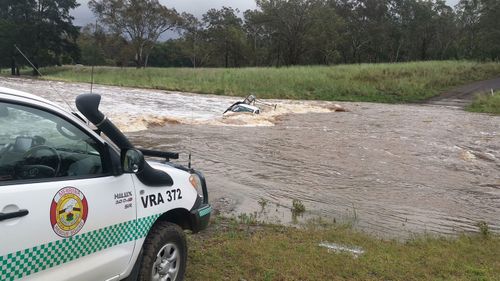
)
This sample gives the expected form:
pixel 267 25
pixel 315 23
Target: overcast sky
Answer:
pixel 196 7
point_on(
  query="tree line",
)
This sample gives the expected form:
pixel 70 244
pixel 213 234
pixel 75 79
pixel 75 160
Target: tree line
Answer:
pixel 41 29
pixel 277 33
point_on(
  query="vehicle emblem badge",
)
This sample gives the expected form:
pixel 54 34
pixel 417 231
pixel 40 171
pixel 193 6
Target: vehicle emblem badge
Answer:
pixel 68 212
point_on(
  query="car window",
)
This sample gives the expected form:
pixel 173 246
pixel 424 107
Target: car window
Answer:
pixel 243 109
pixel 35 144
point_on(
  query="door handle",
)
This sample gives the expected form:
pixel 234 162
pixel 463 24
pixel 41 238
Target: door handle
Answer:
pixel 17 214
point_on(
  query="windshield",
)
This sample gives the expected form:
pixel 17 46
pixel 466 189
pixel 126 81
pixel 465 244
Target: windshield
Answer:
pixel 32 138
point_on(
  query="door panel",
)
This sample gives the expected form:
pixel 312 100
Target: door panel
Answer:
pixel 76 229
pixel 80 221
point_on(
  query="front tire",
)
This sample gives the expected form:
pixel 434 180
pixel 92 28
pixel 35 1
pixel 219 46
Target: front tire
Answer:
pixel 165 254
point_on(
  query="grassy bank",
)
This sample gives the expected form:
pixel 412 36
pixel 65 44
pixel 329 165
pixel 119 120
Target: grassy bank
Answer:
pixel 390 83
pixel 240 252
pixel 486 103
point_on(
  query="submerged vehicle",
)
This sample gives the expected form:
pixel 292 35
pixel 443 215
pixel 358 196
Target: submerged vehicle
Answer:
pixel 80 203
pixel 248 105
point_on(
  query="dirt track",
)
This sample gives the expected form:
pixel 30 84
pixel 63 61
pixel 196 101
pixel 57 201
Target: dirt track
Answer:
pixel 391 169
pixel 462 96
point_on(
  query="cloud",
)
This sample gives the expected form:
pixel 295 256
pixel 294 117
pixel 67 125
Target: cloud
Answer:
pixel 84 16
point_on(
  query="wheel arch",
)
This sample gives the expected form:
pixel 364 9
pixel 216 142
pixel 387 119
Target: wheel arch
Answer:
pixel 179 216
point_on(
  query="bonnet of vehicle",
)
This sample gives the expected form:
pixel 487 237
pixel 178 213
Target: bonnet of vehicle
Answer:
pixel 152 175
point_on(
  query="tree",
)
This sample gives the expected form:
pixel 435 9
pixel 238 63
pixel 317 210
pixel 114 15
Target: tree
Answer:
pixel 91 41
pixel 468 16
pixel 169 53
pixel 225 35
pixel 324 38
pixel 489 29
pixel 257 37
pixel 42 29
pixel 101 48
pixel 288 22
pixel 366 30
pixel 446 31
pixel 193 40
pixel 294 32
pixel 140 21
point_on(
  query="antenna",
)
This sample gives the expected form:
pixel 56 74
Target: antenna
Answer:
pixel 93 61
pixel 91 79
pixel 32 65
pixel 191 133
pixel 39 73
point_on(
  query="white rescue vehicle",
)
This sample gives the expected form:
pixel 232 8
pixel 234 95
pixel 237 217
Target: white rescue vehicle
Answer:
pixel 247 106
pixel 83 205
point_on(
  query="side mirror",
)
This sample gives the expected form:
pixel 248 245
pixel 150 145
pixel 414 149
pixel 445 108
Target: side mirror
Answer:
pixel 132 161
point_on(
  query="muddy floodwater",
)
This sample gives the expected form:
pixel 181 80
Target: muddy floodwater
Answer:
pixel 392 170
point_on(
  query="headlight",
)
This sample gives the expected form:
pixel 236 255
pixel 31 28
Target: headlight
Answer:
pixel 195 181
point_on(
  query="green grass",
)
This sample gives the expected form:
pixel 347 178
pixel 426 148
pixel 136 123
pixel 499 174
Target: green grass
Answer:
pixel 263 252
pixel 486 103
pixel 389 83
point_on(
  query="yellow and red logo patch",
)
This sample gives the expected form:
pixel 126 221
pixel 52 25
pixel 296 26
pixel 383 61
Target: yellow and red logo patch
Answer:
pixel 68 212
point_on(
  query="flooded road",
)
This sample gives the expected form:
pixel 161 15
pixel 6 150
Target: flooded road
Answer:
pixel 392 170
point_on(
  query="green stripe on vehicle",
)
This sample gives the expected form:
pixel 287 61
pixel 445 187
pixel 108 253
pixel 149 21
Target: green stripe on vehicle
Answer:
pixel 29 261
pixel 205 211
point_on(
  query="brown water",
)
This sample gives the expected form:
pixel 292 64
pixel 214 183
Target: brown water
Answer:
pixel 392 170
